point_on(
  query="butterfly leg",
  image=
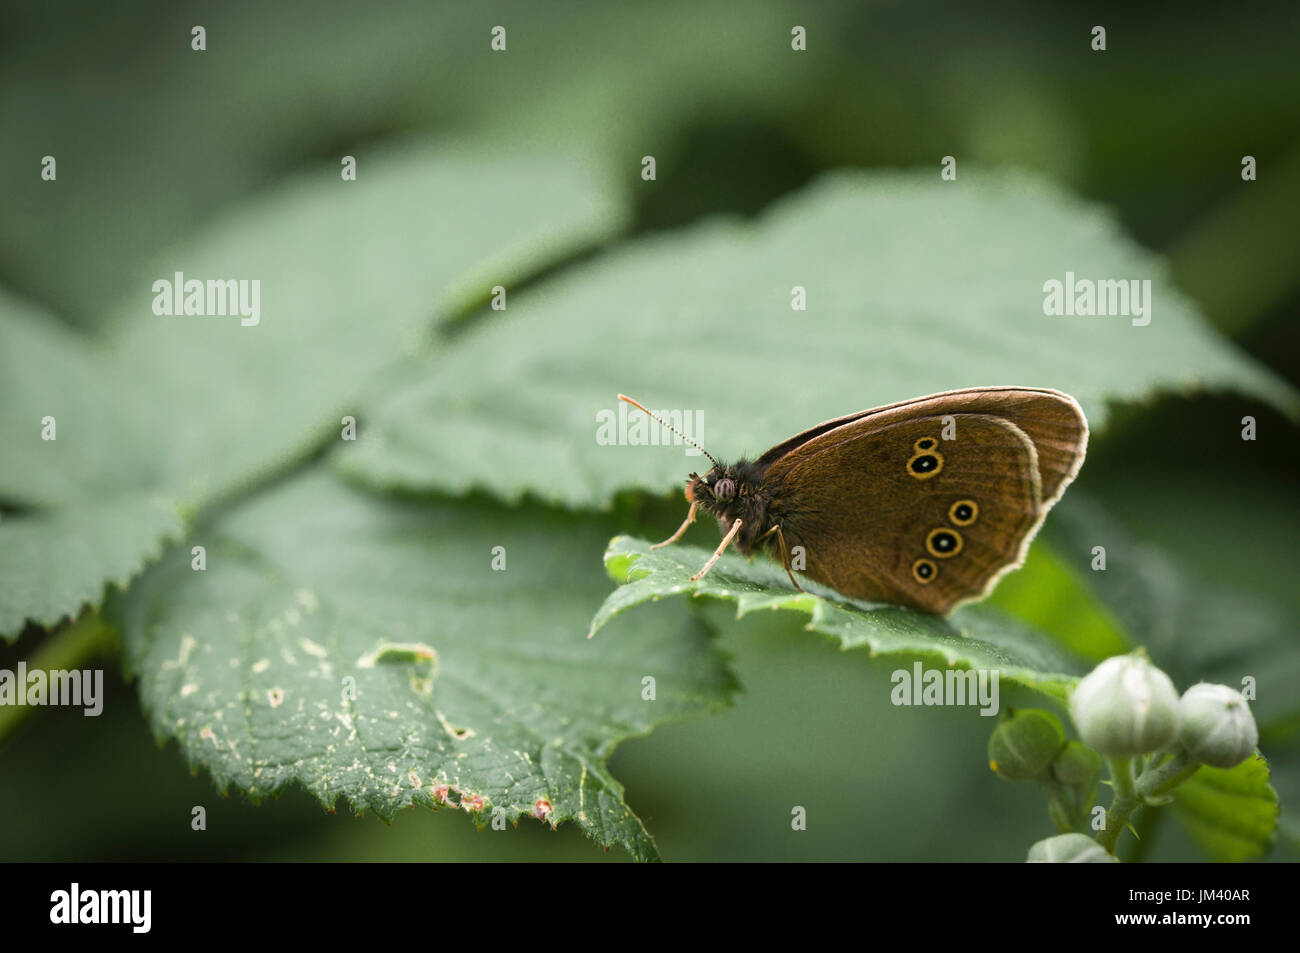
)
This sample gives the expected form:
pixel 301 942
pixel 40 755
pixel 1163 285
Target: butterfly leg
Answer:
pixel 726 541
pixel 690 518
pixel 785 553
pixel 785 558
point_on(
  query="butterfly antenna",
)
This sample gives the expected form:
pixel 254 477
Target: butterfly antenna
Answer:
pixel 625 398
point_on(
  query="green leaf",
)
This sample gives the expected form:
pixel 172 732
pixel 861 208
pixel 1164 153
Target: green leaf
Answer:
pixel 975 637
pixel 91 526
pixel 1230 812
pixel 101 414
pixel 190 409
pixel 54 565
pixel 469 683
pixel 913 286
pixel 352 275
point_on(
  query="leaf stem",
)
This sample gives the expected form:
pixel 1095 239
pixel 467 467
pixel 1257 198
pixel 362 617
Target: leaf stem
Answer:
pixel 1159 781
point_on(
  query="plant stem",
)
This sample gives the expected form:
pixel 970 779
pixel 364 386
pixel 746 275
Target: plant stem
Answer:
pixel 69 647
pixel 1124 803
pixel 1130 795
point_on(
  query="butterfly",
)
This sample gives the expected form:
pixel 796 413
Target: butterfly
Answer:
pixel 924 503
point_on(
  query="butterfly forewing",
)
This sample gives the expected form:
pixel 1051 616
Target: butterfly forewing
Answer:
pixel 1051 419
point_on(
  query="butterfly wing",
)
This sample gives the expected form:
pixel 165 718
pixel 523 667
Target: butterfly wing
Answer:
pixel 1052 420
pixel 887 510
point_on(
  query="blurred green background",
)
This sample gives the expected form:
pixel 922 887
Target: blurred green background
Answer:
pixel 153 144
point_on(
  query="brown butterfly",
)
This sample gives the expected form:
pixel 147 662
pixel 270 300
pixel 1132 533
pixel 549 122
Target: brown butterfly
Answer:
pixel 924 503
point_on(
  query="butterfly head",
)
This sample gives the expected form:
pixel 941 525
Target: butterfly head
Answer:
pixel 730 492
pixel 715 490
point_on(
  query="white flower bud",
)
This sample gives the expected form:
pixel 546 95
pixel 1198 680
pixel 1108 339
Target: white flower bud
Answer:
pixel 1216 727
pixel 1069 849
pixel 1125 707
